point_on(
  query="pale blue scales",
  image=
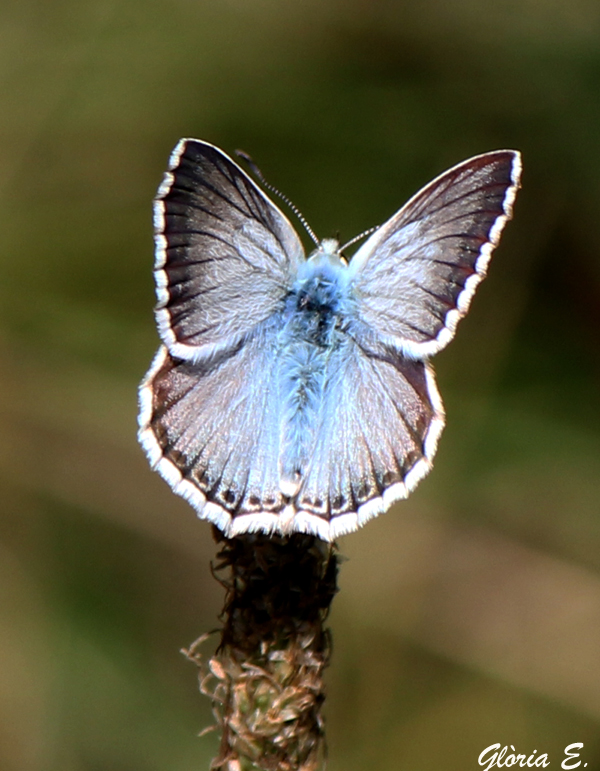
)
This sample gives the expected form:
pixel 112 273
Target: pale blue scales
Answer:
pixel 294 394
pixel 316 311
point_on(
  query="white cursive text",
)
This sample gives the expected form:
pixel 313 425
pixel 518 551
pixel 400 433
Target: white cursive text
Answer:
pixel 490 757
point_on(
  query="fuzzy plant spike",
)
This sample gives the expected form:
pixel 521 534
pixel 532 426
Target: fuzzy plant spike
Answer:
pixel 266 678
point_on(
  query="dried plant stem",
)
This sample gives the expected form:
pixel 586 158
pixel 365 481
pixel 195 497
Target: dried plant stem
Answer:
pixel 266 678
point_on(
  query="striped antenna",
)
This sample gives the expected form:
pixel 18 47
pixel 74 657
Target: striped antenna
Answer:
pixel 258 173
pixel 359 236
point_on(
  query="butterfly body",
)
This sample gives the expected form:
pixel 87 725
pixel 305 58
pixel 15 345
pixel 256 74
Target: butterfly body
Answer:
pixel 294 393
pixel 310 347
pixel 318 299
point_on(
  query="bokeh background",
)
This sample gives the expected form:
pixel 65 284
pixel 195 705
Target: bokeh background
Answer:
pixel 469 614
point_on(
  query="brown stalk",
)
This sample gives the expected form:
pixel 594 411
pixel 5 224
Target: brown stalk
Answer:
pixel 266 678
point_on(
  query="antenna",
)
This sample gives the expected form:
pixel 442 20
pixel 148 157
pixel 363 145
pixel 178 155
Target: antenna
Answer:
pixel 359 236
pixel 258 173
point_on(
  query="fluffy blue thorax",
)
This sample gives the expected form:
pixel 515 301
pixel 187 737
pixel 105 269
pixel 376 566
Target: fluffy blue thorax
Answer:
pixel 318 297
pixel 311 332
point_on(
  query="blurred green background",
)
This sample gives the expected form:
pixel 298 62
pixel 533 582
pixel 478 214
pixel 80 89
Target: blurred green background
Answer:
pixel 469 614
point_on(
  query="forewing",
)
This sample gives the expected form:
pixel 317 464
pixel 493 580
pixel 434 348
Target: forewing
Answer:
pixel 416 275
pixel 211 429
pixel 225 254
pixel 380 424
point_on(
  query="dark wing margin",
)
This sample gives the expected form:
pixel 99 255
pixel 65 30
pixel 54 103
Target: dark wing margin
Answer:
pixel 415 277
pixel 225 254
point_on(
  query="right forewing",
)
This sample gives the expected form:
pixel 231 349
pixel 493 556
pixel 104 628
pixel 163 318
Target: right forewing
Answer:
pixel 415 276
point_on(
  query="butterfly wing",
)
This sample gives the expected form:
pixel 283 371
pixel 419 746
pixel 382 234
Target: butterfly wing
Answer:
pixel 414 278
pixel 410 284
pixel 211 406
pixel 225 254
pixel 380 422
pixel 211 429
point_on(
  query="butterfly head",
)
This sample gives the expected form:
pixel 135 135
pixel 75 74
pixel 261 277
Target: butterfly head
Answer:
pixel 328 253
pixel 329 246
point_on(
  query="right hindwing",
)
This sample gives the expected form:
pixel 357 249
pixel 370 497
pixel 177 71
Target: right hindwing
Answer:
pixel 379 424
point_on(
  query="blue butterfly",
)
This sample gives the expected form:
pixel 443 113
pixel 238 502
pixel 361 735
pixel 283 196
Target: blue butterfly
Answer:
pixel 294 394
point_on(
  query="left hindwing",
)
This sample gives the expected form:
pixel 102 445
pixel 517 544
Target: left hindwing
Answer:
pixel 211 429
pixel 414 278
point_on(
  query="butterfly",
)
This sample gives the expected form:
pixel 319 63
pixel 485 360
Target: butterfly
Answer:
pixel 294 393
